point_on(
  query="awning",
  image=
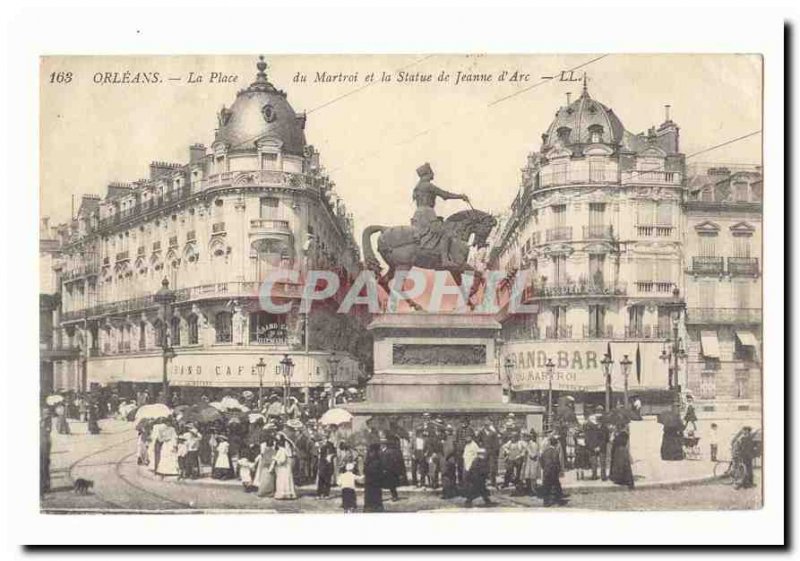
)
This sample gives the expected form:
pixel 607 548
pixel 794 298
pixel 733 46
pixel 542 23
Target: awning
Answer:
pixel 747 339
pixel 709 344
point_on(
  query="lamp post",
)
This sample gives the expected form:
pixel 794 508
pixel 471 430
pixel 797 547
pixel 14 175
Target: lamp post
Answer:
pixel 625 366
pixel 287 365
pixel 261 368
pixel 551 368
pixel 165 297
pixel 508 364
pixel 607 364
pixel 672 354
pixel 333 368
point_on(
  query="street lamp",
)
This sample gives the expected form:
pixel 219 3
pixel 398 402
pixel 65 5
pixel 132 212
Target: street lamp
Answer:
pixel 508 364
pixel 287 365
pixel 261 368
pixel 551 368
pixel 625 365
pixel 607 363
pixel 165 297
pixel 333 368
pixel 671 355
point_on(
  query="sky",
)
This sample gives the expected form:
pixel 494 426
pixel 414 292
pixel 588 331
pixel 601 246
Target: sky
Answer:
pixel 373 135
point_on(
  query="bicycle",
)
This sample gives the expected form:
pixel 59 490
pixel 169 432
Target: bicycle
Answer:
pixel 729 472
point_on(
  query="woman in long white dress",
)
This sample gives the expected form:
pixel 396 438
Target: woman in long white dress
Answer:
pixel 531 469
pixel 284 480
pixel 168 462
pixel 223 468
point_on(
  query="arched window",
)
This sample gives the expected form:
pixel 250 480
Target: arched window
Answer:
pixel 595 134
pixel 192 322
pixel 158 330
pixel 266 329
pixel 268 256
pixel 175 331
pixel 223 326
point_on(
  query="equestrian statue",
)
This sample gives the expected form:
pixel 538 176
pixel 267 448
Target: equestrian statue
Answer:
pixel 430 242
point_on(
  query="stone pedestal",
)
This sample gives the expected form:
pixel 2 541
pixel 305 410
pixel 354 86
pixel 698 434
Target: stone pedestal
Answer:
pixel 442 364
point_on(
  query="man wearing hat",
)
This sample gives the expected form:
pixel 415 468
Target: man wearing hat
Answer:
pixel 490 439
pixel 551 470
pixel 597 438
pixel 428 226
pixel 476 479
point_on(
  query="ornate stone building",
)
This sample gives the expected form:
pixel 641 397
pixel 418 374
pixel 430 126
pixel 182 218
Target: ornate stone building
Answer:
pixel 723 281
pixel 596 226
pixel 254 201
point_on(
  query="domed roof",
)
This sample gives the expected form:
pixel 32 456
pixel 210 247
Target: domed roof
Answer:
pixel 575 122
pixel 260 111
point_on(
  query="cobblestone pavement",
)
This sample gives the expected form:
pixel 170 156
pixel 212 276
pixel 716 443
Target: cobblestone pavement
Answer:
pixel 120 485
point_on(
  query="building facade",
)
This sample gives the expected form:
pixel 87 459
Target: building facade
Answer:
pixel 596 228
pixel 254 202
pixel 723 280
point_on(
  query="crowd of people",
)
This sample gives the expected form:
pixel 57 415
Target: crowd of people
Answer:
pixel 276 444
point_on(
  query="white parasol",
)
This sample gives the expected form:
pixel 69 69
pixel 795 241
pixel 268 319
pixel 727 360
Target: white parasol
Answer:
pixel 335 417
pixel 231 403
pixel 152 411
pixel 253 417
pixel 54 399
pixel 217 405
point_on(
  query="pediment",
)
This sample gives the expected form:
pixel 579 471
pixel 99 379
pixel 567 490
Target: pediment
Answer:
pixel 653 152
pixel 599 248
pixel 559 249
pixel 707 227
pixel 742 229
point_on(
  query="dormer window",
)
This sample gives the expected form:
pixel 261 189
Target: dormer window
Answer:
pixel 563 134
pixel 595 134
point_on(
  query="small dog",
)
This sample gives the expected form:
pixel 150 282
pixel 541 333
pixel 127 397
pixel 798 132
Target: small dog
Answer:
pixel 82 486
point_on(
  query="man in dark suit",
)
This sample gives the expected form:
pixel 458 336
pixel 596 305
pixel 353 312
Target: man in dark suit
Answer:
pixel 489 439
pixel 476 479
pixel 551 471
pixel 597 438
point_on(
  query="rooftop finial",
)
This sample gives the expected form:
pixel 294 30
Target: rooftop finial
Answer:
pixel 569 97
pixel 262 66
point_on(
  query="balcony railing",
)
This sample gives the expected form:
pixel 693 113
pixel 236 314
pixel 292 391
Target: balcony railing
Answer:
pixel 723 315
pixel 270 224
pixel 567 289
pixel 646 332
pixel 218 228
pixel 561 233
pixel 122 256
pixel 658 287
pixel 651 231
pixel 85 270
pixel 191 236
pixel 651 176
pixel 156 246
pixel 598 331
pixel 707 265
pixel 742 266
pixel 173 241
pixel 563 332
pixel 597 232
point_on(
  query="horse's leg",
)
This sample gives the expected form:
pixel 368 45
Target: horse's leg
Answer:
pixel 400 269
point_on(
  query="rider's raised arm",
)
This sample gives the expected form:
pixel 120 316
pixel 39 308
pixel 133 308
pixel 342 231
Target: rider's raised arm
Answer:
pixel 445 194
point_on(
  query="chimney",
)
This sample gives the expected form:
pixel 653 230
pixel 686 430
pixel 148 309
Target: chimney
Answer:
pixel 569 97
pixel 196 153
pixel 666 113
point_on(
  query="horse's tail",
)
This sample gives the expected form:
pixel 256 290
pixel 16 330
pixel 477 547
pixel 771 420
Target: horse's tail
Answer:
pixel 370 260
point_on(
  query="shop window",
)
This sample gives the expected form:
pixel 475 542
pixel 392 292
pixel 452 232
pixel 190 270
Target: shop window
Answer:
pixel 708 385
pixel 742 383
pixel 266 329
pixel 223 325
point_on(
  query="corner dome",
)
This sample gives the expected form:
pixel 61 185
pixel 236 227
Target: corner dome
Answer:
pixel 576 123
pixel 261 111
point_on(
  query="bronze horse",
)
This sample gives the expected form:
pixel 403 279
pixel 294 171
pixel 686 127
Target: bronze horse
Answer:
pixel 400 248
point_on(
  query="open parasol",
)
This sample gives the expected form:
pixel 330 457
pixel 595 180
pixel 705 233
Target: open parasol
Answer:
pixel 294 423
pixel 335 417
pixel 152 411
pixel 670 419
pixel 232 403
pixel 201 413
pixel 253 417
pixel 54 399
pixel 217 405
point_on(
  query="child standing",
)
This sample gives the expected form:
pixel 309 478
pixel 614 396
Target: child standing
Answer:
pixel 582 457
pixel 347 481
pixel 183 449
pixel 712 439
